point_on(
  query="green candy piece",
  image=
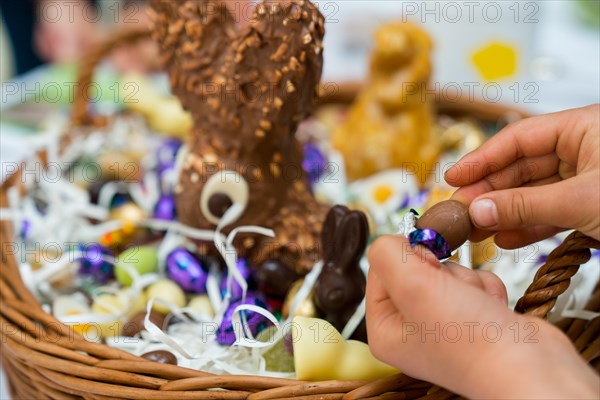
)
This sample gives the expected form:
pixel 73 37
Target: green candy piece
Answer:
pixel 143 259
pixel 277 358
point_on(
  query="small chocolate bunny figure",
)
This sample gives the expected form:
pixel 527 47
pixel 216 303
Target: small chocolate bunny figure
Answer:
pixel 341 285
pixel 247 90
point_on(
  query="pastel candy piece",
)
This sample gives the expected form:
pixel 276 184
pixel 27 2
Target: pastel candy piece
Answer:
pixel 167 291
pixel 320 354
pixel 450 219
pixel 187 270
pixel 161 356
pixel 142 259
pixel 202 305
pixel 277 358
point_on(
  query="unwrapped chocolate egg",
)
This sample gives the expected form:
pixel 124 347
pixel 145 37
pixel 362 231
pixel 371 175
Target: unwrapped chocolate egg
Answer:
pixel 256 321
pixel 450 219
pixel 135 324
pixel 187 270
pixel 161 357
pixel 93 263
pixel 274 278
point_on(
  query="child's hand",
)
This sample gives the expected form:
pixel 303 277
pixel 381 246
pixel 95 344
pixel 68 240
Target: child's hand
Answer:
pixel 535 178
pixel 450 325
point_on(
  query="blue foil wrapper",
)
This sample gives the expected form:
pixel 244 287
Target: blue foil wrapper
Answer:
pixel 432 240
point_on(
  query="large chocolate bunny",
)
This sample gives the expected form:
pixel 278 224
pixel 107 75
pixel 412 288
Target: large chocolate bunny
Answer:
pixel 247 90
pixel 341 285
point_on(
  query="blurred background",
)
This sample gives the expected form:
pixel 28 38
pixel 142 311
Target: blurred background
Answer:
pixel 539 56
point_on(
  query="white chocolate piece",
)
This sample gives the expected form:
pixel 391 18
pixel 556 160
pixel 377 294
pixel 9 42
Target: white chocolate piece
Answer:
pixel 320 354
pixel 202 305
pixel 168 291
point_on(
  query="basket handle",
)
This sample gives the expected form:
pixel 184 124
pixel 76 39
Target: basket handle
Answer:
pixel 80 111
pixel 554 277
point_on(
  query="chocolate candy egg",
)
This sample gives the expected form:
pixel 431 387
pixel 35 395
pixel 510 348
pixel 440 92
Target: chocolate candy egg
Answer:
pixel 274 278
pixel 165 208
pixel 142 259
pixel 187 270
pixel 256 321
pixel 167 291
pixel 136 324
pixel 161 357
pixel 92 263
pixel 450 219
pixel 236 289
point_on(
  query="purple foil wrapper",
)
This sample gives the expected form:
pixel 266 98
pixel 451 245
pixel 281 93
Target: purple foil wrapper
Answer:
pixel 236 289
pixel 432 240
pixel 187 270
pixel 92 264
pixel 314 162
pixel 256 321
pixel 165 208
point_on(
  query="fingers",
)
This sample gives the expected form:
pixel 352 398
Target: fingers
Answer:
pixel 530 206
pixel 514 239
pixel 484 280
pixel 531 137
pixel 521 172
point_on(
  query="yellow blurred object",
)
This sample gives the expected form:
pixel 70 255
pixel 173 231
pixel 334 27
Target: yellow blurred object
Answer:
pixel 392 123
pixel 321 354
pixel 496 60
pixel 305 309
pixel 164 113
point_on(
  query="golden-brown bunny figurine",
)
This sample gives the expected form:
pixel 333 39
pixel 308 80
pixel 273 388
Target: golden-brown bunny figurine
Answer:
pixel 247 89
pixel 391 124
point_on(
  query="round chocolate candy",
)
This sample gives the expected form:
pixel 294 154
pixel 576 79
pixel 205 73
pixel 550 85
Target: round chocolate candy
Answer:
pixel 450 219
pixel 136 324
pixel 93 263
pixel 165 208
pixel 256 321
pixel 161 357
pixel 274 278
pixel 187 270
pixel 236 289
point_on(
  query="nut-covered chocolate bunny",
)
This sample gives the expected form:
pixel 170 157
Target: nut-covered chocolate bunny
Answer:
pixel 341 285
pixel 247 90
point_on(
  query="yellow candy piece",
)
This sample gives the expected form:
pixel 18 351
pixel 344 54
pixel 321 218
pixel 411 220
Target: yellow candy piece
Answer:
pixel 168 291
pixel 121 306
pixel 320 354
pixel 305 309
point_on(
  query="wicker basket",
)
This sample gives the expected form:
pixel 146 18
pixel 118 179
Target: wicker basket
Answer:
pixel 45 359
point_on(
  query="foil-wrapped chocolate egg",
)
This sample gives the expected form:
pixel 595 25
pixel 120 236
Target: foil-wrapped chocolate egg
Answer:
pixel 314 162
pixel 256 321
pixel 165 208
pixel 187 270
pixel 450 219
pixel 93 263
pixel 236 290
pixel 306 308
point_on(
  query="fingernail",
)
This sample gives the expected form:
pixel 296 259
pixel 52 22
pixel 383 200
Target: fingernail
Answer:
pixel 484 213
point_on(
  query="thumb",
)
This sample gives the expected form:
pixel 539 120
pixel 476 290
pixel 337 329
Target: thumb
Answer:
pixel 553 205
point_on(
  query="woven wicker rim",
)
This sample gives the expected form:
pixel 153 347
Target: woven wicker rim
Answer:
pixel 45 359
